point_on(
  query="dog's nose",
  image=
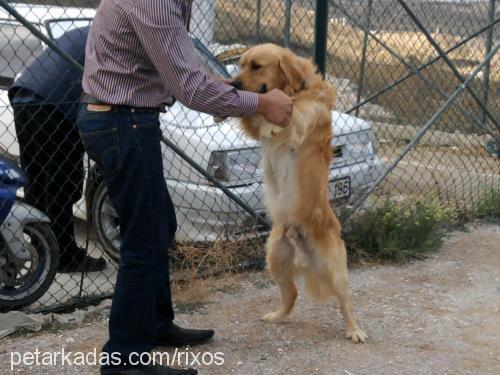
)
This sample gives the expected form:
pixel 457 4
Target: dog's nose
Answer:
pixel 237 84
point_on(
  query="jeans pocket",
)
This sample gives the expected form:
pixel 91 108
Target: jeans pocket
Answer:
pixel 103 147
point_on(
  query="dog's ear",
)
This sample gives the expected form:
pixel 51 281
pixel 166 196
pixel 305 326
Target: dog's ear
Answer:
pixel 294 70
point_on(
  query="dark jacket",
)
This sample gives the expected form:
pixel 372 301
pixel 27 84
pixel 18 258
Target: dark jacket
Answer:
pixel 53 80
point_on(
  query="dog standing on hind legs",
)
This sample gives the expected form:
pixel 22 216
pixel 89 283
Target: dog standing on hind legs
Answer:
pixel 305 236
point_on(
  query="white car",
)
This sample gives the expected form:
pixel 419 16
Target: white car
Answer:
pixel 204 212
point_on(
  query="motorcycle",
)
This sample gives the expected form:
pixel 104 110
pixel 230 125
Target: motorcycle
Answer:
pixel 29 252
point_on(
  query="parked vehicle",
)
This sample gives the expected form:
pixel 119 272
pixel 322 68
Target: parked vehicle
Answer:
pixel 29 252
pixel 204 212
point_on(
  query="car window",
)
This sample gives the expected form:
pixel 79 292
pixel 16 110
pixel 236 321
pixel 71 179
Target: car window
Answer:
pixel 57 27
pixel 19 47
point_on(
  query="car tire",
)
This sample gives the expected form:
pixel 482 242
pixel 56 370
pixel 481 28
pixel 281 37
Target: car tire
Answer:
pixel 105 222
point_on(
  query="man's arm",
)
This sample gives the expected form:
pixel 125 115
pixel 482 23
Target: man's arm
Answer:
pixel 160 27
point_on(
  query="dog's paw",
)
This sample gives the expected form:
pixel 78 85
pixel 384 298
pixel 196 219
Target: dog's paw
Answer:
pixel 268 130
pixel 273 317
pixel 356 335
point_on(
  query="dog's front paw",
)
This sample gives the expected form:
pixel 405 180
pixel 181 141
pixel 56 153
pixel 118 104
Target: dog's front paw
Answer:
pixel 268 130
pixel 273 317
pixel 356 335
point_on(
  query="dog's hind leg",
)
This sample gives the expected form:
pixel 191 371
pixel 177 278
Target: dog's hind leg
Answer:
pixel 280 256
pixel 298 241
pixel 341 291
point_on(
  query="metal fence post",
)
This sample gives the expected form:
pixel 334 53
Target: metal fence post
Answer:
pixel 321 34
pixel 363 55
pixel 257 19
pixel 288 15
pixel 489 44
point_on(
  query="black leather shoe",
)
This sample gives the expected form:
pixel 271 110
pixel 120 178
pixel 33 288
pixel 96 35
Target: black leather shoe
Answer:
pixel 177 336
pixel 148 370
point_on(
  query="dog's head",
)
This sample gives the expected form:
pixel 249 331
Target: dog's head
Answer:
pixel 268 66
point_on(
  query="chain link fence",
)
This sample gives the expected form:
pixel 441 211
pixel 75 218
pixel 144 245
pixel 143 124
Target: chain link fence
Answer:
pixel 418 99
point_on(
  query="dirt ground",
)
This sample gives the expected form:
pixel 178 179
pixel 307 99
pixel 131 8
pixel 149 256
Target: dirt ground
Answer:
pixel 438 316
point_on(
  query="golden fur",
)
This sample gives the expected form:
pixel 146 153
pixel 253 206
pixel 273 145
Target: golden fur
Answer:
pixel 305 236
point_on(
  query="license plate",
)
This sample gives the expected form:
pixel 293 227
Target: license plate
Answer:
pixel 341 187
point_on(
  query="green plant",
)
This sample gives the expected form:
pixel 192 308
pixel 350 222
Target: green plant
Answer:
pixel 488 206
pixel 400 231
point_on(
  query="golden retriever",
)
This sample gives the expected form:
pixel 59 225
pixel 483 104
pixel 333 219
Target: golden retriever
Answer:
pixel 305 235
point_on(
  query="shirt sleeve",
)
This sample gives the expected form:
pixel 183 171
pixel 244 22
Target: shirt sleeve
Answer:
pixel 160 27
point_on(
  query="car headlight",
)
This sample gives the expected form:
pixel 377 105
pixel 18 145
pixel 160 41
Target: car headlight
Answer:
pixel 236 166
pixel 356 147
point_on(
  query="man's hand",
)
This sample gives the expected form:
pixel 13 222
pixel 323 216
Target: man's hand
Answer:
pixel 276 107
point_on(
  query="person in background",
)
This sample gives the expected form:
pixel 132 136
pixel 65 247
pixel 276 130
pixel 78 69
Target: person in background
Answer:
pixel 45 99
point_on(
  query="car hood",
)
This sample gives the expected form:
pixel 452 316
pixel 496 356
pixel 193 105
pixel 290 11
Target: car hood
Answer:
pixel 179 122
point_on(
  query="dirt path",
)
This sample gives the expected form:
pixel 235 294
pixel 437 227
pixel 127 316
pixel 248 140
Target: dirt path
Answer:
pixel 440 316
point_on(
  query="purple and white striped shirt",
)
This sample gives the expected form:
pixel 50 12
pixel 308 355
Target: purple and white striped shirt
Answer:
pixel 139 54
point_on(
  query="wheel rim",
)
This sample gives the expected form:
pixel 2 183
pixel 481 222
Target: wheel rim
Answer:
pixel 33 272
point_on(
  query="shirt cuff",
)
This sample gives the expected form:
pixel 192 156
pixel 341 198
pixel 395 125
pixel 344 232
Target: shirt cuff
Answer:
pixel 248 102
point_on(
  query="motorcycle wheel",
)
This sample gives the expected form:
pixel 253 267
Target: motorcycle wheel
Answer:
pixel 22 288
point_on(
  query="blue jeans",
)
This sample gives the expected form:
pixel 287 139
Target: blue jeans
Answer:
pixel 126 147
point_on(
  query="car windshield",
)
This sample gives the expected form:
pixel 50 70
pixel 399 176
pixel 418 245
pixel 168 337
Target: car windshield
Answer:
pixel 209 61
pixel 57 27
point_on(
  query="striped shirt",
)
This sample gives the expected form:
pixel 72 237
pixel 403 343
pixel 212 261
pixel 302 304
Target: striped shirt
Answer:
pixel 139 54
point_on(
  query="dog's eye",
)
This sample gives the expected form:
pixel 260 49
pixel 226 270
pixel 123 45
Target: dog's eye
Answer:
pixel 256 66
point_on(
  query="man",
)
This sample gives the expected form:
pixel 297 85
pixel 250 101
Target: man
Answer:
pixel 139 57
pixel 45 102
